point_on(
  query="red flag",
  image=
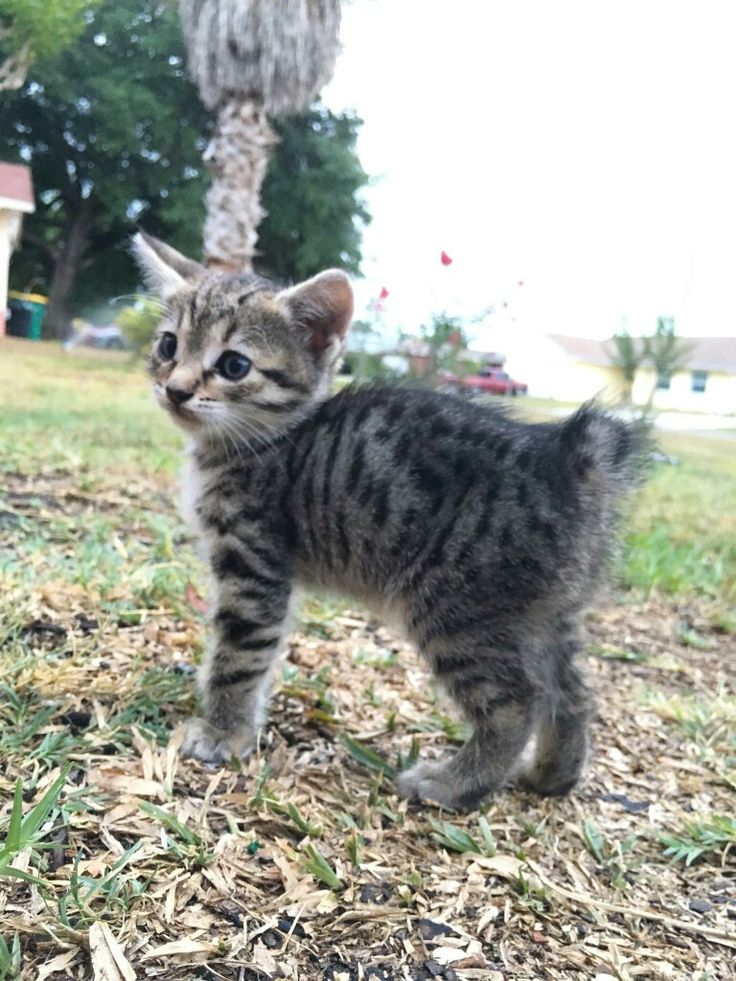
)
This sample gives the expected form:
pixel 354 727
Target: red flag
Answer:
pixel 445 259
pixel 383 295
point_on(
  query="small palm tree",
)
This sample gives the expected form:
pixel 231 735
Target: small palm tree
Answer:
pixel 627 356
pixel 252 59
pixel 666 352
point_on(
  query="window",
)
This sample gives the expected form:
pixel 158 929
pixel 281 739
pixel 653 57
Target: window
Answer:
pixel 699 379
pixel 663 380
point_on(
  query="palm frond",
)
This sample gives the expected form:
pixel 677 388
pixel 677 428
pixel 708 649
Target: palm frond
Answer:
pixel 278 52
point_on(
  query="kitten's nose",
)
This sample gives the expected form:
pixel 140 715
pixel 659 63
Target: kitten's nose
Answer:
pixel 177 395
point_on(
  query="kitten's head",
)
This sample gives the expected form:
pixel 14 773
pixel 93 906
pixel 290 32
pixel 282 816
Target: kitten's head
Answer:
pixel 234 357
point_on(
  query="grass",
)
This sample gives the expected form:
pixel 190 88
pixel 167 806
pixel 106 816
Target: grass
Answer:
pixel 98 413
pixel 24 832
pixel 681 536
pixel 716 835
pixel 305 849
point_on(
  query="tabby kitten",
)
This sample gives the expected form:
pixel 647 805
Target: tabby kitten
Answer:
pixel 481 535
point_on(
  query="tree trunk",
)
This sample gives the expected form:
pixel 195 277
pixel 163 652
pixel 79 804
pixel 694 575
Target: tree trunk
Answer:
pixel 237 157
pixel 67 267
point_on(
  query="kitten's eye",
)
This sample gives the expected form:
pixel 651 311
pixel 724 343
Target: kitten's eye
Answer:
pixel 233 366
pixel 167 346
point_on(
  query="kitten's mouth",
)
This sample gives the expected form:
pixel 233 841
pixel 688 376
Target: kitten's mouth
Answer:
pixel 184 417
pixel 180 414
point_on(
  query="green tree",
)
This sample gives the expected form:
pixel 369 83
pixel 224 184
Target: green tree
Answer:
pixel 312 198
pixel 447 340
pixel 31 29
pixel 252 60
pixel 627 355
pixel 113 132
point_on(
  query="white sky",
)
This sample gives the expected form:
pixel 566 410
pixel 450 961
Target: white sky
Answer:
pixel 585 147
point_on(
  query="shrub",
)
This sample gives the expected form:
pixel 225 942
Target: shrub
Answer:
pixel 138 322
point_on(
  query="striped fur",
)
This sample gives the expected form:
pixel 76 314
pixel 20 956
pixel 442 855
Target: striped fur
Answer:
pixel 482 535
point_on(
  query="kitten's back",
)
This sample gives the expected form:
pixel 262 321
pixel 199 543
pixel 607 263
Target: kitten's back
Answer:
pixel 405 486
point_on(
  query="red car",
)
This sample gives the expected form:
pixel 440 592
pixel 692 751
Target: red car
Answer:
pixel 494 381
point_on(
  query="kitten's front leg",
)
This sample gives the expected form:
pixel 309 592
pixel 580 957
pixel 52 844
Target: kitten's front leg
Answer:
pixel 249 624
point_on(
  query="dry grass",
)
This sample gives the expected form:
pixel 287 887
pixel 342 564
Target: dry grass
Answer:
pixel 304 863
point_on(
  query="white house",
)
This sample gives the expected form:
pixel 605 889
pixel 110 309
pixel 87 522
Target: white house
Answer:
pixel 707 384
pixel 573 369
pixel 16 200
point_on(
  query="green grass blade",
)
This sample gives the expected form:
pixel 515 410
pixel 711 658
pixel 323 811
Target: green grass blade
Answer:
pixel 110 876
pixel 320 868
pixel 39 812
pixel 169 821
pixel 594 841
pixel 489 840
pixel 452 837
pixel 10 958
pixel 368 757
pixel 291 811
pixel 7 872
pixel 12 842
pixel 306 827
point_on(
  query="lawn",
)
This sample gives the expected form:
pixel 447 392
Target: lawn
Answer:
pixel 119 859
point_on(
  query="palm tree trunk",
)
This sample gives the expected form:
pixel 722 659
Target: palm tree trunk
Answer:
pixel 237 157
pixel 14 69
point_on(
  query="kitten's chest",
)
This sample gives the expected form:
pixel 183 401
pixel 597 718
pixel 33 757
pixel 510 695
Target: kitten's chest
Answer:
pixel 192 491
pixel 221 501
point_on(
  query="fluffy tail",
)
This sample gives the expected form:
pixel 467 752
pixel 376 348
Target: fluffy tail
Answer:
pixel 595 441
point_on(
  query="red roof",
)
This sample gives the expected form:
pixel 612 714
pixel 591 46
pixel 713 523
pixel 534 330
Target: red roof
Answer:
pixel 16 184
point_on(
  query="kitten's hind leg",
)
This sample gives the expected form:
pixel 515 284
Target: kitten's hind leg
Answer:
pixel 562 734
pixel 499 700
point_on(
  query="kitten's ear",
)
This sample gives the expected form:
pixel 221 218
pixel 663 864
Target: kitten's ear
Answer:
pixel 164 269
pixel 323 307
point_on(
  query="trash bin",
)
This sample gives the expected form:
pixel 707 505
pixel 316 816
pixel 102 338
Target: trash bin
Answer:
pixel 27 311
pixel 19 318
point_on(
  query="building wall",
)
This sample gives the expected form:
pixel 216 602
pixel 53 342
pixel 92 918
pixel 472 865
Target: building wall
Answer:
pixel 580 381
pixel 719 395
pixel 549 371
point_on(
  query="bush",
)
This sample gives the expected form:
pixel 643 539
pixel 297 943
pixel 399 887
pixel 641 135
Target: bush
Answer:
pixel 366 366
pixel 138 322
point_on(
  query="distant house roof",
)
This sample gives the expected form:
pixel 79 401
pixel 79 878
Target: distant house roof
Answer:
pixel 582 348
pixel 16 187
pixel 705 353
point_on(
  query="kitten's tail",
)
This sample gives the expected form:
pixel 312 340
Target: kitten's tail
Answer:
pixel 595 440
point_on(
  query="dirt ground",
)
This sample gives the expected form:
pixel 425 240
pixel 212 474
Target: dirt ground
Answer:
pixel 305 864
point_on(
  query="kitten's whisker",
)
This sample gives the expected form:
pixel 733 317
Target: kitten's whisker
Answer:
pixel 263 437
pixel 230 437
pixel 154 301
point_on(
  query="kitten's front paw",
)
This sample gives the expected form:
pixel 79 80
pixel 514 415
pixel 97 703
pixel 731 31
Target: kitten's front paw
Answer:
pixel 427 781
pixel 212 745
